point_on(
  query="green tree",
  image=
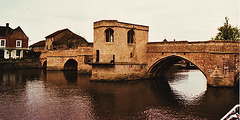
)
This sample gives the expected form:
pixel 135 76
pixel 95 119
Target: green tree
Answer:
pixel 227 32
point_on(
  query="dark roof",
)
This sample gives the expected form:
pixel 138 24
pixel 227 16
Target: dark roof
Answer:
pixel 56 33
pixel 38 44
pixel 7 31
pixel 4 29
pixel 69 36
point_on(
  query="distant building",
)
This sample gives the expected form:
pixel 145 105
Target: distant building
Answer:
pixel 64 39
pixel 13 42
pixel 38 47
pixel 61 39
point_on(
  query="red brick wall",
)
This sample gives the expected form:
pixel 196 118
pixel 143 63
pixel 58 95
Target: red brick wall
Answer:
pixel 18 34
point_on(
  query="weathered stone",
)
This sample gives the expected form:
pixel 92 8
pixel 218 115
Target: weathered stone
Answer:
pixel 115 59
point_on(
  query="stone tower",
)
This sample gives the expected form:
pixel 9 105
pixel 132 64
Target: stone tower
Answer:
pixel 119 51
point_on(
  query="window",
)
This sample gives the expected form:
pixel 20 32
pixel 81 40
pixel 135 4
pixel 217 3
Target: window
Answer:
pixel 130 36
pixel 109 35
pixel 18 43
pixel 2 44
pixel 52 39
pixel 54 47
pixel 97 58
pixel 131 55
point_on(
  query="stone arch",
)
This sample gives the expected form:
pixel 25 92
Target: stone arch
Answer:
pixel 71 64
pixel 162 66
pixel 236 79
pixel 44 65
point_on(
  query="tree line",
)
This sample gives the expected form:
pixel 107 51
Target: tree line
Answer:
pixel 227 32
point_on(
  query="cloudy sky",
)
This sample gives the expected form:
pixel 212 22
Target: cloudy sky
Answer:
pixel 170 19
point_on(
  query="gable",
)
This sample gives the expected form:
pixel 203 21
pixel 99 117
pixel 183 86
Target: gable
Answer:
pixel 18 34
pixel 58 32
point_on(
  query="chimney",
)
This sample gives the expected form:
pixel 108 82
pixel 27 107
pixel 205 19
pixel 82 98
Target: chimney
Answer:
pixel 7 29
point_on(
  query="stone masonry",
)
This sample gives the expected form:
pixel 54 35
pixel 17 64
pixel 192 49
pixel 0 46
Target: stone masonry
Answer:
pixel 121 51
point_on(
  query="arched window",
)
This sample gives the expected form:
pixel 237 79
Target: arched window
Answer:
pixel 109 35
pixel 130 36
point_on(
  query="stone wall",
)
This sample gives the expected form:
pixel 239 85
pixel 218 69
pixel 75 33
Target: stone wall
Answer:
pixel 19 65
pixel 129 60
pixel 216 59
pixel 56 59
pixel 120 48
pixel 118 72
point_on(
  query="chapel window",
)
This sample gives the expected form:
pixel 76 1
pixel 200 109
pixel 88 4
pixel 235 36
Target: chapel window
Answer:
pixel 130 35
pixel 109 35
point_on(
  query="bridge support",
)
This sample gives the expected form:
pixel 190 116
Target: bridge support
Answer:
pixel 118 71
pixel 216 79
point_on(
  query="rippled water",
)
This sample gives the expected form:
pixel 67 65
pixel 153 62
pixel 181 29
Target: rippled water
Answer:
pixel 37 94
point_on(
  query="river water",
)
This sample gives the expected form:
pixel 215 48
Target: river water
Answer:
pixel 38 94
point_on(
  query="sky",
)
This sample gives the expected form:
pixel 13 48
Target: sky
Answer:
pixel 192 20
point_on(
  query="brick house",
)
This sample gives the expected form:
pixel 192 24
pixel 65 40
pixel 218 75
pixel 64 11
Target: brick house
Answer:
pixel 64 39
pixel 13 42
pixel 38 46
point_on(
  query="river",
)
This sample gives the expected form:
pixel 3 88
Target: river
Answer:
pixel 38 94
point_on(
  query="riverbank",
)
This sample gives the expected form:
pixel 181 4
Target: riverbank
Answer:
pixel 19 64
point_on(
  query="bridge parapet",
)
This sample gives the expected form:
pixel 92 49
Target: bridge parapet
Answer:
pixel 71 52
pixel 214 46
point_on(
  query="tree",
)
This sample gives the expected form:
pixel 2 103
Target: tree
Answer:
pixel 228 32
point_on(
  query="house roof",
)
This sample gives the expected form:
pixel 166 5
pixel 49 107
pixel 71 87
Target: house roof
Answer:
pixel 4 30
pixel 56 33
pixel 70 36
pixel 38 44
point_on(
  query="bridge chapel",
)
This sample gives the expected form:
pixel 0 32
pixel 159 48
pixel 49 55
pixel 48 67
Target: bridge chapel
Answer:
pixel 119 50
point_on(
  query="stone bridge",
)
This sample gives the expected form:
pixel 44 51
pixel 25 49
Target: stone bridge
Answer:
pixel 71 59
pixel 217 60
pixel 121 51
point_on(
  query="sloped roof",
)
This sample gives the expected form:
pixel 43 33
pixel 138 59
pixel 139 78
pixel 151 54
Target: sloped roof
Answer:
pixel 7 31
pixel 38 44
pixel 18 28
pixel 3 30
pixel 71 36
pixel 56 33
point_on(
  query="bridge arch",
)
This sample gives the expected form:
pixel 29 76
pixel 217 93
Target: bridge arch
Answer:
pixel 163 65
pixel 71 64
pixel 236 79
pixel 44 65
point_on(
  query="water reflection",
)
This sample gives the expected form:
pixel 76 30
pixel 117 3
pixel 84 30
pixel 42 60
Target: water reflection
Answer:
pixel 70 76
pixel 37 94
pixel 189 85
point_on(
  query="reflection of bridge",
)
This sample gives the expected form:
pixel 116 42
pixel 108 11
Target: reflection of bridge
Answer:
pixel 123 59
